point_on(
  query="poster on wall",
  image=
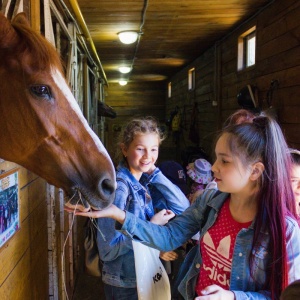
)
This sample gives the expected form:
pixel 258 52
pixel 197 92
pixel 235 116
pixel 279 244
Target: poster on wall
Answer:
pixel 9 206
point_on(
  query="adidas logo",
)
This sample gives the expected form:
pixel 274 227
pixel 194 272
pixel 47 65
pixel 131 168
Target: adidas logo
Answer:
pixel 219 257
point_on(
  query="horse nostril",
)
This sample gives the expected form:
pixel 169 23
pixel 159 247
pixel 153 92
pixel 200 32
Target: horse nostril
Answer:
pixel 108 187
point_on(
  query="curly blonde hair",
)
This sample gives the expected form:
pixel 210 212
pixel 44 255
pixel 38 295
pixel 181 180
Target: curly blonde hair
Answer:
pixel 137 126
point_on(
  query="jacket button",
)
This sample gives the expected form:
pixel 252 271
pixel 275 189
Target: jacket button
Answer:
pixel 240 254
pixel 198 266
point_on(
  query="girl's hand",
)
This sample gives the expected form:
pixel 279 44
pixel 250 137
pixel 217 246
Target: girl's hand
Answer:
pixel 168 256
pixel 162 217
pixel 110 212
pixel 215 292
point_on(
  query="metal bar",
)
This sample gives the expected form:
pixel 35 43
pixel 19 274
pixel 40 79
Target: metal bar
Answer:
pixel 60 20
pixel 87 35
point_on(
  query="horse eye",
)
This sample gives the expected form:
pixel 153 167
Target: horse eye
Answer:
pixel 41 91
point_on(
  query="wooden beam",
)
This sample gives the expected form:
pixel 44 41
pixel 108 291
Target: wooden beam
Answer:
pixel 35 15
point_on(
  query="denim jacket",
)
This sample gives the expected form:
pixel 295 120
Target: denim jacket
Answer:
pixel 187 224
pixel 164 193
pixel 115 249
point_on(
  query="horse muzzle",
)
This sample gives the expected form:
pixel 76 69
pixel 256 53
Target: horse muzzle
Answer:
pixel 85 200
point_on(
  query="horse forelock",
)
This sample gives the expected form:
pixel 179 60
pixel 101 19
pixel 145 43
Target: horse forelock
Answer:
pixel 35 50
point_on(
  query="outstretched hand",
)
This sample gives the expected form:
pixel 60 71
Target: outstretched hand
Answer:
pixel 168 256
pixel 162 217
pixel 110 212
pixel 215 292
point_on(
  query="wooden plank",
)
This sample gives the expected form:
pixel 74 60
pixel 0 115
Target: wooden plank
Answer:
pixel 6 166
pixel 287 78
pixel 29 230
pixel 131 112
pixel 291 132
pixel 31 197
pixel 28 280
pixel 291 115
pixel 35 15
pixel 275 20
pixel 134 102
pixel 289 39
pixel 26 176
pixel 289 97
pixel 282 61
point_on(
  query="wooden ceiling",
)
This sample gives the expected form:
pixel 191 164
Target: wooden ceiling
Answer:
pixel 173 32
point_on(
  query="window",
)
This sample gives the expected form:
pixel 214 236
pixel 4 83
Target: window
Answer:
pixel 191 79
pixel 246 49
pixel 169 89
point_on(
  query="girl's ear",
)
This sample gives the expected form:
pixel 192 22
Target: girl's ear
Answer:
pixel 257 170
pixel 124 149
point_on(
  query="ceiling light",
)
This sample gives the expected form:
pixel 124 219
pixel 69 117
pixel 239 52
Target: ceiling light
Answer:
pixel 122 82
pixel 125 70
pixel 128 37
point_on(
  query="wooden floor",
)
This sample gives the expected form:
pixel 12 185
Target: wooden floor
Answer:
pixel 88 288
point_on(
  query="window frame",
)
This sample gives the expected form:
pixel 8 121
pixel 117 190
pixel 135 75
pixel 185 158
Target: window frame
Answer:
pixel 169 89
pixel 191 79
pixel 243 49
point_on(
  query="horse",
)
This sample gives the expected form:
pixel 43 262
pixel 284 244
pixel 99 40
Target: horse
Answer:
pixel 42 127
pixel 106 110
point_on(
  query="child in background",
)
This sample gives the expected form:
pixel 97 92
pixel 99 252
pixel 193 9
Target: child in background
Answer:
pixel 295 156
pixel 251 239
pixel 176 174
pixel 240 116
pixel 200 173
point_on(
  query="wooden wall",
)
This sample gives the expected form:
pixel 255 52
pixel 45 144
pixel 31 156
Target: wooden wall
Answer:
pixel 218 82
pixel 31 264
pixel 144 99
pixel 24 257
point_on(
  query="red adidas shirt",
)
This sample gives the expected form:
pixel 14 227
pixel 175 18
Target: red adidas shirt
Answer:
pixel 217 247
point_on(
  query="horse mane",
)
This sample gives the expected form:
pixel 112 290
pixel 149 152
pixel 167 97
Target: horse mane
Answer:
pixel 42 53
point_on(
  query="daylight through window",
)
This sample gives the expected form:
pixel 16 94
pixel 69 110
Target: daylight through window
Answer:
pixel 169 89
pixel 246 49
pixel 191 79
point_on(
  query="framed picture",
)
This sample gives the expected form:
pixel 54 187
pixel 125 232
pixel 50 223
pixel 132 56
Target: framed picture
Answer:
pixel 9 205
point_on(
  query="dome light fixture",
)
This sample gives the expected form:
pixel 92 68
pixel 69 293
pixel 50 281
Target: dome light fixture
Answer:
pixel 122 82
pixel 128 37
pixel 124 69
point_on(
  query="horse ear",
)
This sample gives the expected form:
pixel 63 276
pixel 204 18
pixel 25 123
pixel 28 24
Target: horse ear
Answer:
pixel 8 36
pixel 21 19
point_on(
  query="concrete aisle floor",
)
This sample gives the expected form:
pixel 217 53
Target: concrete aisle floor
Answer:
pixel 88 288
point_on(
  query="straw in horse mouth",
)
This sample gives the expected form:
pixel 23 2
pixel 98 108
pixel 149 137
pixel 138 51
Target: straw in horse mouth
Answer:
pixel 80 207
pixel 80 201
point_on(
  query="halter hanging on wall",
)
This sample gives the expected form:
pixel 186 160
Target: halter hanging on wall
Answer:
pixel 246 97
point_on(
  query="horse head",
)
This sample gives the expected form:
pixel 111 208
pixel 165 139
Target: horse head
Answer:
pixel 42 126
pixel 106 110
